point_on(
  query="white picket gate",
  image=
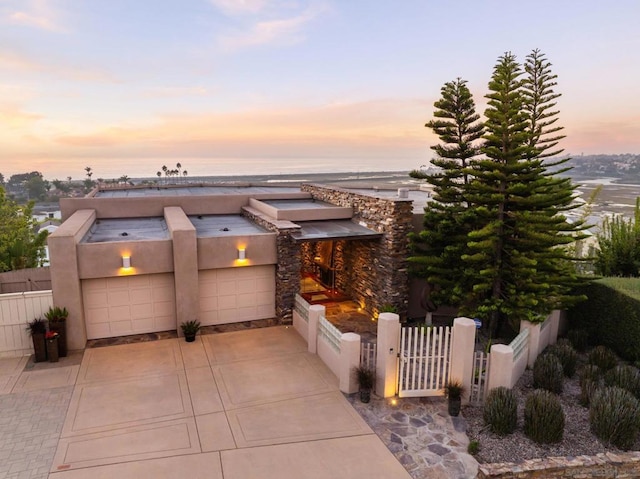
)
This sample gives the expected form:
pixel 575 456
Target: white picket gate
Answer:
pixel 425 353
pixel 479 377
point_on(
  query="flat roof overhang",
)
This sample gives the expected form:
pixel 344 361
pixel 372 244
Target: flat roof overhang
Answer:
pixel 332 230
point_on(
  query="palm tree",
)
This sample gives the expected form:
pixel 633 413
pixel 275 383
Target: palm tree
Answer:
pixel 159 173
pixel 179 167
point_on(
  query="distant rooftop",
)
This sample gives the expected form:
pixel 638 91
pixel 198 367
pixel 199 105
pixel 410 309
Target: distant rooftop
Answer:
pixel 236 189
pixel 126 229
pixel 419 197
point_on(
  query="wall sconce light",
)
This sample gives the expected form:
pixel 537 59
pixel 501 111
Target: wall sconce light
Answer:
pixel 242 253
pixel 126 261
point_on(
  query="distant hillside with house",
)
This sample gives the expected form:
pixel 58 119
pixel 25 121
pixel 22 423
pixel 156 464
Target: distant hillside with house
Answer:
pixel 625 167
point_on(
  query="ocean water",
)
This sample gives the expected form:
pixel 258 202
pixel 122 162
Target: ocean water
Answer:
pixel 148 167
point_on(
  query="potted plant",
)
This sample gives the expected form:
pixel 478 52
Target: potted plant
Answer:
pixel 52 338
pixel 57 318
pixel 365 377
pixel 190 329
pixel 37 329
pixel 454 391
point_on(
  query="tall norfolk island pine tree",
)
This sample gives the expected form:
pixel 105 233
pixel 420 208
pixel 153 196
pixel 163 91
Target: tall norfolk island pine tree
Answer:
pixel 512 263
pixel 447 219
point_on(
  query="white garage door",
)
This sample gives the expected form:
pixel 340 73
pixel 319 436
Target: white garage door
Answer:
pixel 129 305
pixel 230 295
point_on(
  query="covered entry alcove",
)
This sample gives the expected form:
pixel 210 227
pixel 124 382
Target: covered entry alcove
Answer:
pixel 336 260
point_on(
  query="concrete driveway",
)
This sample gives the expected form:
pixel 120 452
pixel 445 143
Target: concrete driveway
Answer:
pixel 239 405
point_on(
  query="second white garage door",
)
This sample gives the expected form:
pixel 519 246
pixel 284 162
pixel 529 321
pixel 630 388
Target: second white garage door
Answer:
pixel 129 305
pixel 230 295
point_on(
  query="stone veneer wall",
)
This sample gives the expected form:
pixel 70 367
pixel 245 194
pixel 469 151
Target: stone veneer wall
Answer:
pixel 376 270
pixel 580 467
pixel 289 264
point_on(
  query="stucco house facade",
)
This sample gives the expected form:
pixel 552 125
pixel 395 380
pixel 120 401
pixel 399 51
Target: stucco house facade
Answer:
pixel 141 259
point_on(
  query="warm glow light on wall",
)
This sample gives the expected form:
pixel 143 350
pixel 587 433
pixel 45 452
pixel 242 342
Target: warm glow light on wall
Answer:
pixel 126 262
pixel 242 254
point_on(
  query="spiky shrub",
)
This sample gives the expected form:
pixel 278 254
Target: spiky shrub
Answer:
pixel 543 417
pixel 603 357
pixel 567 356
pixel 501 411
pixel 547 373
pixel 579 339
pixel 625 377
pixel 614 416
pixel 590 379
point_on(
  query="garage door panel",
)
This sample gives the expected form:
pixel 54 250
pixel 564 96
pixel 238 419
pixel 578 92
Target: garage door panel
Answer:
pixel 266 285
pixel 141 311
pixel 140 296
pixel 94 286
pixel 246 313
pixel 142 281
pixel 246 299
pixel 247 273
pixel 208 304
pixel 265 272
pixel 227 287
pixel 247 286
pixel 163 292
pixel 121 282
pixel 166 308
pixel 228 316
pixel 100 330
pixel 118 298
pixel 98 315
pixel 160 280
pixel 208 317
pixel 144 323
pixel 227 302
pixel 120 327
pixel 208 290
pixel 119 312
pixel 208 276
pixel 129 305
pixel 264 298
pixel 97 298
pixel 265 311
pixel 164 323
pixel 226 274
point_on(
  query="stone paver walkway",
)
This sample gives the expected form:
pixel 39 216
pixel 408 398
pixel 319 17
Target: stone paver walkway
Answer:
pixel 428 442
pixel 30 425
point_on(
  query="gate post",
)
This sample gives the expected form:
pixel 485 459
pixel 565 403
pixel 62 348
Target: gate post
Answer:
pixel 315 311
pixel 462 349
pixel 349 359
pixel 387 354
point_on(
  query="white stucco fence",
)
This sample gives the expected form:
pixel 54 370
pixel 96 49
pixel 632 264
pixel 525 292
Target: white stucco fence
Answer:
pixel 340 352
pixel 16 310
pixel 508 362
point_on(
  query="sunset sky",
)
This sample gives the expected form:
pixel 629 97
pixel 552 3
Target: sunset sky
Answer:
pixel 258 86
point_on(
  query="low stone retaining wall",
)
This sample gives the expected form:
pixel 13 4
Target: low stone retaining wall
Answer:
pixel 607 465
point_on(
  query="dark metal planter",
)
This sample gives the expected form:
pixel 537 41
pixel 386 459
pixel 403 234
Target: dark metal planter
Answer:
pixel 52 350
pixel 60 327
pixel 39 347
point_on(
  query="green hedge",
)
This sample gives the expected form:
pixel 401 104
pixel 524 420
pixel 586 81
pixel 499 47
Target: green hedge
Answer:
pixel 611 315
